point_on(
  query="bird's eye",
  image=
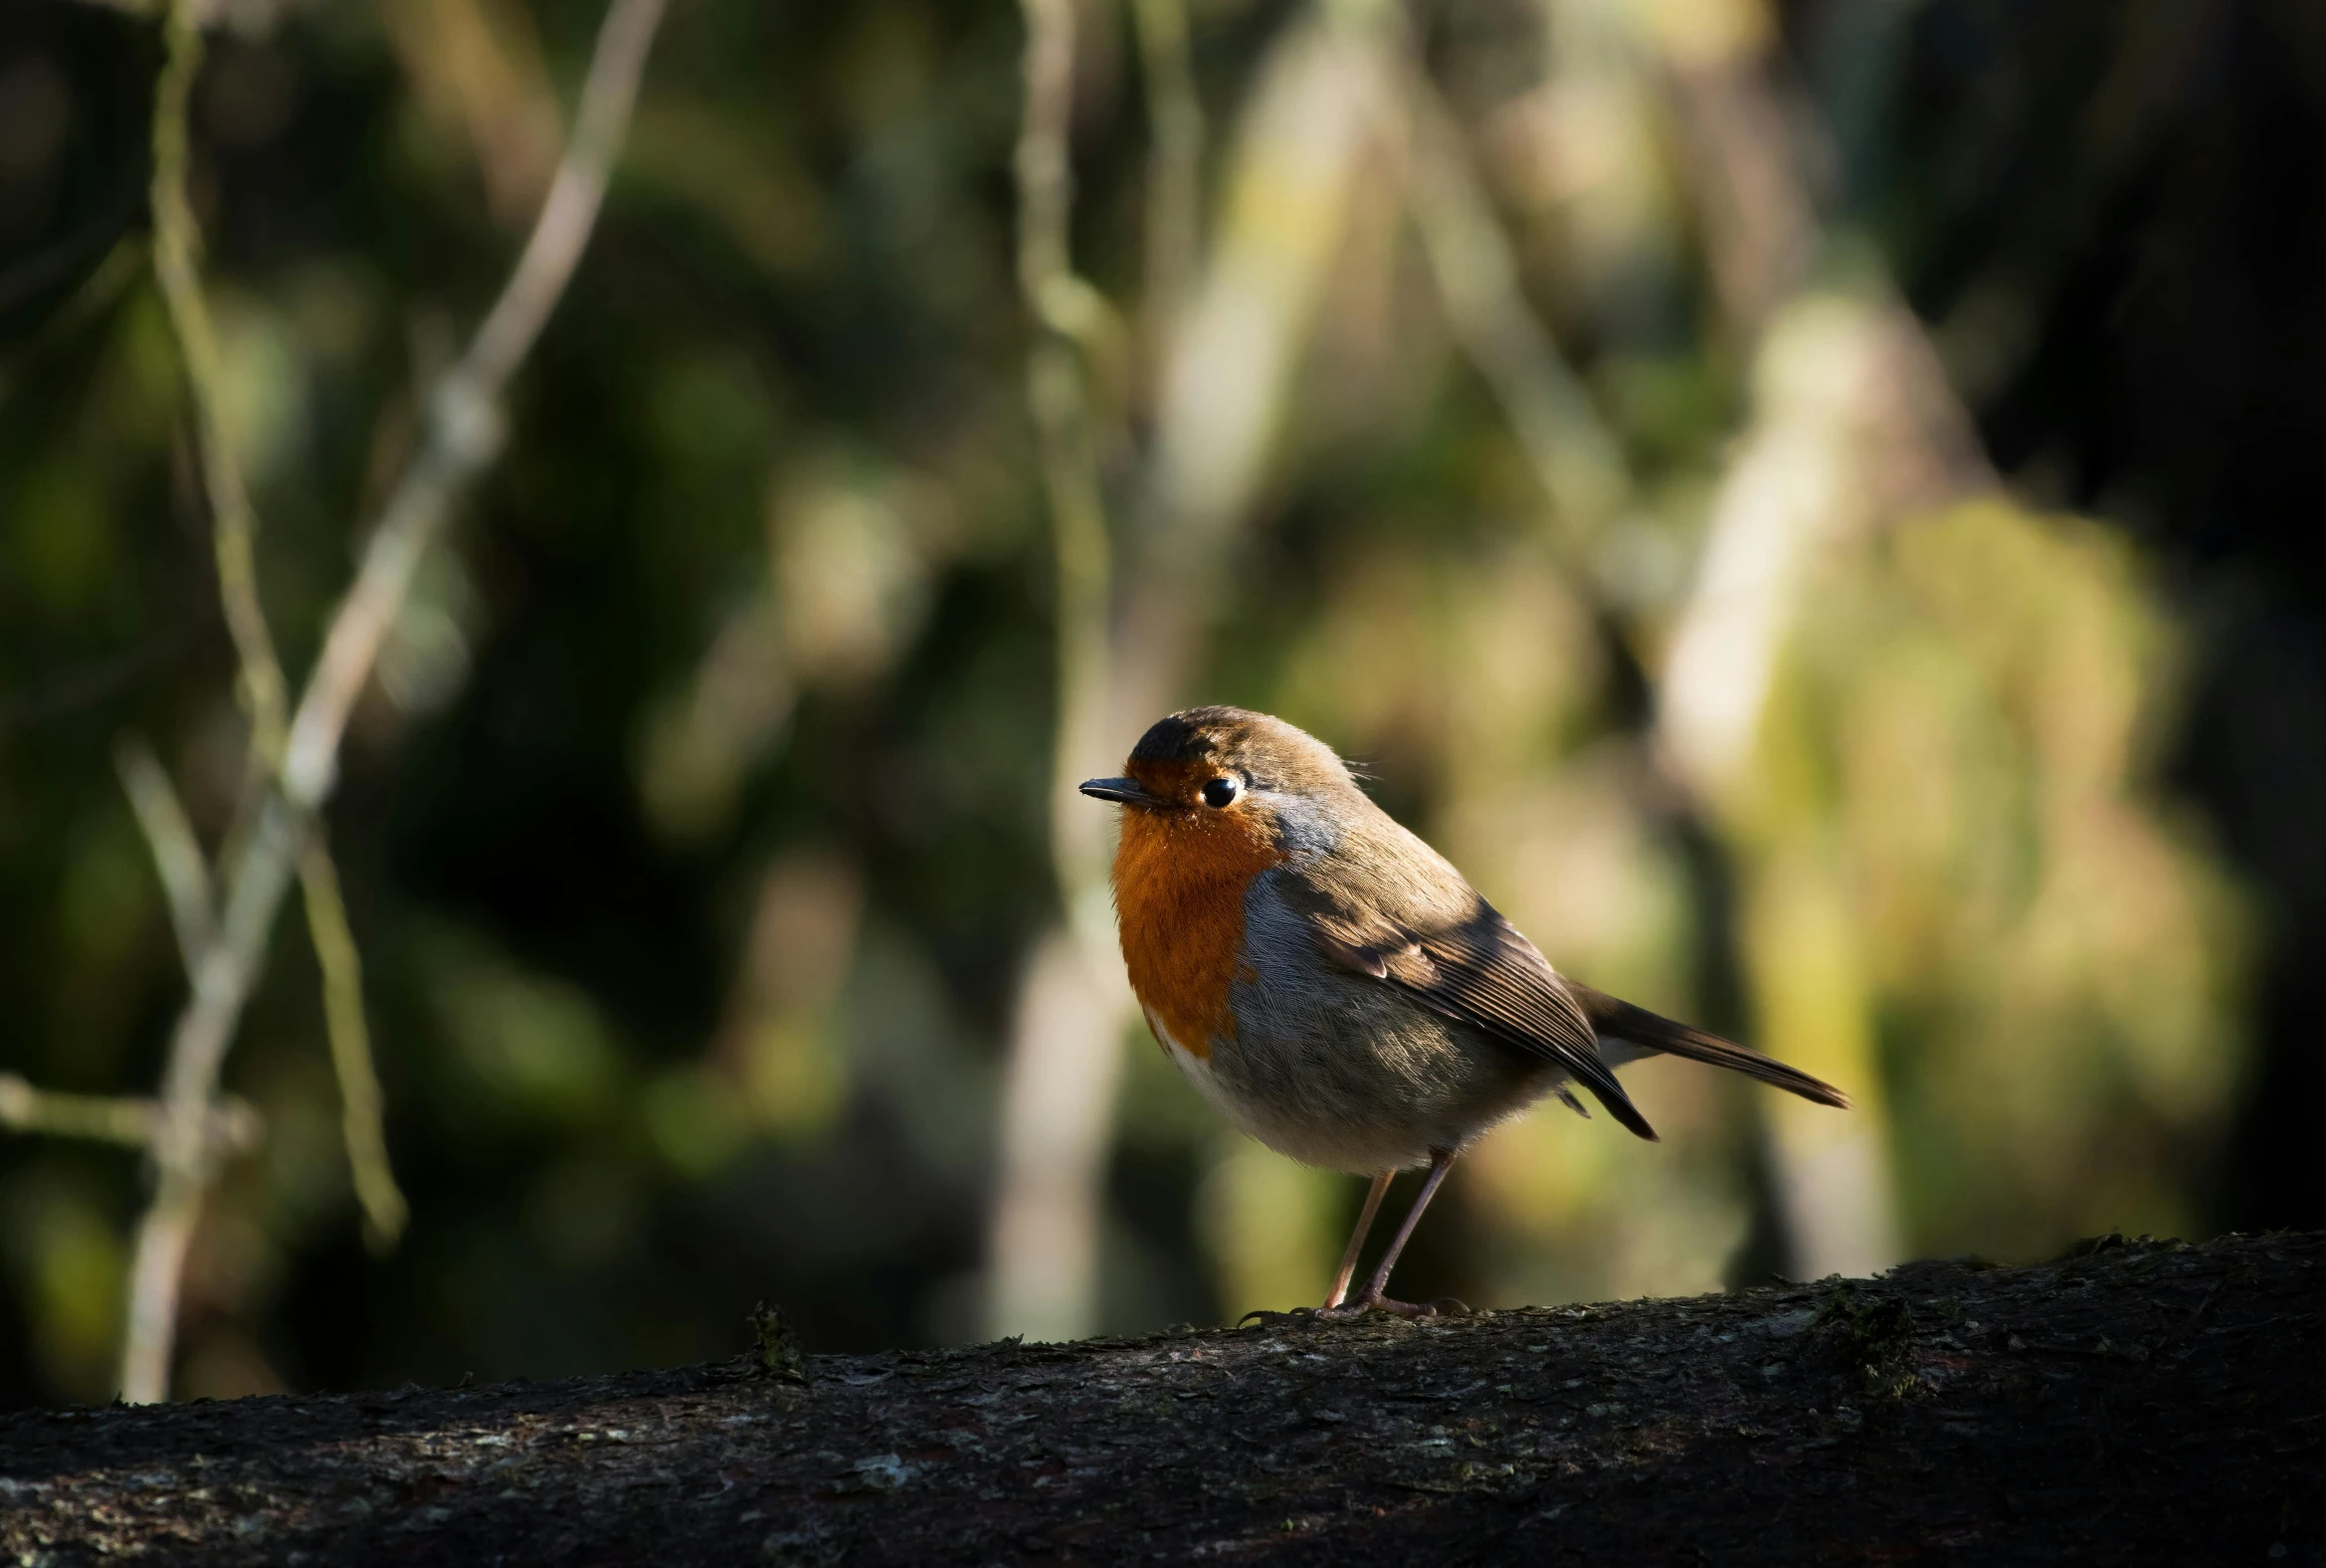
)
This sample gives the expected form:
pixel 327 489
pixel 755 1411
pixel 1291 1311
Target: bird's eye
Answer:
pixel 1219 793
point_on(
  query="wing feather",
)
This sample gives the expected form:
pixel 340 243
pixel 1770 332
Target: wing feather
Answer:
pixel 1615 1019
pixel 1482 972
pixel 1388 908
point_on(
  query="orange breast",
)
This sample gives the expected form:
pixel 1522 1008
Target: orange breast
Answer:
pixel 1178 884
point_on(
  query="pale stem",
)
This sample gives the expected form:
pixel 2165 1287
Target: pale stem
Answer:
pixel 106 1118
pixel 1059 1086
pixel 1575 458
pixel 462 435
pixel 177 853
pixel 177 248
pixel 360 1112
pixel 1174 167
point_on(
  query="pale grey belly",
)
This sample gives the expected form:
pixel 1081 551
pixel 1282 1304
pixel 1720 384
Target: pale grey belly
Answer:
pixel 1339 1071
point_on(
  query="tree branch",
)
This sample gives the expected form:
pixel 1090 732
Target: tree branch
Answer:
pixel 1223 380
pixel 1175 167
pixel 177 853
pixel 462 435
pixel 178 244
pixel 95 295
pixel 1039 1258
pixel 360 1118
pixel 2145 1403
pixel 1575 458
pixel 105 1118
pixel 1852 428
pixel 464 429
pixel 1059 401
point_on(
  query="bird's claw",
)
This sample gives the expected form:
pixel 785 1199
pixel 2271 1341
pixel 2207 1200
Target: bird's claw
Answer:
pixel 1412 1312
pixel 1350 1312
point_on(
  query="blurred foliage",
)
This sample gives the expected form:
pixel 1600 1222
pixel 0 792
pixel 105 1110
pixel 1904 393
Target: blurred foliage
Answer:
pixel 694 828
pixel 1963 743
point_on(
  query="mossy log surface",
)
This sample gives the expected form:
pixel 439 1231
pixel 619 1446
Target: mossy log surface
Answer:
pixel 2143 1401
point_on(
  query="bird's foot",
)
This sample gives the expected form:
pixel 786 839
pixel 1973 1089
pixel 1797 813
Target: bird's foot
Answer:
pixel 1413 1312
pixel 1350 1312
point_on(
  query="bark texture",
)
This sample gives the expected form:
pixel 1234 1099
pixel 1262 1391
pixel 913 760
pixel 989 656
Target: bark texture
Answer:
pixel 2138 1402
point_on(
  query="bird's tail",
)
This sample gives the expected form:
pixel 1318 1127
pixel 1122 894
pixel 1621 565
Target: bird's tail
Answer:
pixel 1614 1020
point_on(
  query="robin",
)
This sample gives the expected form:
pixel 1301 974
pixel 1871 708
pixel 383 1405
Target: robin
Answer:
pixel 1335 988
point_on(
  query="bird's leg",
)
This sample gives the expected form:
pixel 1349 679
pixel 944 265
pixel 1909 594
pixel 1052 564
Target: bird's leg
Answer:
pixel 1371 1296
pixel 1349 1268
pixel 1340 1280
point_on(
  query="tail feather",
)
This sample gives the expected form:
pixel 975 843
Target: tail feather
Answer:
pixel 1617 1019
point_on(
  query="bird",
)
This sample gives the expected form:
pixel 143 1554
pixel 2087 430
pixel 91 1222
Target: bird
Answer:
pixel 1336 989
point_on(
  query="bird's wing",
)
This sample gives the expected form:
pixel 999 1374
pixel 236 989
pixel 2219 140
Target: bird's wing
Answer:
pixel 1483 973
pixel 1388 908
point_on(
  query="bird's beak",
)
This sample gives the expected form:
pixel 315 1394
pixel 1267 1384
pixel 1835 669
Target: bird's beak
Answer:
pixel 1123 792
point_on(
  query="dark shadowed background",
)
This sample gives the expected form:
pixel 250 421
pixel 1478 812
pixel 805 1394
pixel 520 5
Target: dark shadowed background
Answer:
pixel 1931 690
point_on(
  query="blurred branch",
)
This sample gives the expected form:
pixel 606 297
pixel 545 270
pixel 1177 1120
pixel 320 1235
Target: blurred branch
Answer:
pixel 1854 422
pixel 1059 298
pixel 177 853
pixel 1224 377
pixel 184 1155
pixel 104 284
pixel 571 211
pixel 176 267
pixel 1175 167
pixel 1763 234
pixel 1059 1089
pixel 97 291
pixel 476 67
pixel 1288 185
pixel 1058 396
pixel 462 435
pixel 464 428
pixel 102 1118
pixel 384 1209
pixel 234 523
pixel 233 1125
pixel 1852 428
pixel 1577 460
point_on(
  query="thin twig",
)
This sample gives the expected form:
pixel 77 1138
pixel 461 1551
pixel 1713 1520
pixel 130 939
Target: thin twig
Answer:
pixel 464 424
pixel 106 1118
pixel 235 523
pixel 1044 1216
pixel 100 1118
pixel 384 1209
pixel 1575 458
pixel 177 265
pixel 1220 388
pixel 462 435
pixel 1059 399
pixel 570 211
pixel 97 294
pixel 1175 167
pixel 185 1166
pixel 177 853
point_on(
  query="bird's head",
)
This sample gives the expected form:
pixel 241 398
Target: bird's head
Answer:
pixel 1232 771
